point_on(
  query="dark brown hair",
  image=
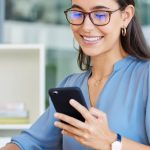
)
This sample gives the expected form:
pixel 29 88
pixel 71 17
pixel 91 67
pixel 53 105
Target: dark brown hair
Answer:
pixel 133 43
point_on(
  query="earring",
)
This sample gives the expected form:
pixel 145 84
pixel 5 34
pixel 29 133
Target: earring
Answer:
pixel 124 31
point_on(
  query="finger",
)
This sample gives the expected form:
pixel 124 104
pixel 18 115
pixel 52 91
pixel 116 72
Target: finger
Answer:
pixel 65 132
pixel 98 114
pixel 81 109
pixel 68 133
pixel 68 128
pixel 70 120
pixel 77 138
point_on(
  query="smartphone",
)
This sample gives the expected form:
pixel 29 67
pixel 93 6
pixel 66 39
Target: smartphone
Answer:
pixel 60 98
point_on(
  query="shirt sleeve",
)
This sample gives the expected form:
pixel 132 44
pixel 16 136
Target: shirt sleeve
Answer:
pixel 147 121
pixel 43 135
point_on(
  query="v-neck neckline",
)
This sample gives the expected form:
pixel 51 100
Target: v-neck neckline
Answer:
pixel 100 94
pixel 117 66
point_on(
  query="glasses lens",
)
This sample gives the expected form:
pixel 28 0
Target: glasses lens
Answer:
pixel 75 17
pixel 100 18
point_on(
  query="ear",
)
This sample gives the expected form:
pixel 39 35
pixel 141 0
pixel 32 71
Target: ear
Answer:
pixel 127 15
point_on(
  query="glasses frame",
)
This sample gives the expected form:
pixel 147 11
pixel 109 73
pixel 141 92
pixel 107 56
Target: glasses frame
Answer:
pixel 89 14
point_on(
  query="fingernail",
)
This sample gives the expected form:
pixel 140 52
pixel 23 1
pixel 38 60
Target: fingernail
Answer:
pixel 55 115
pixel 55 123
pixel 62 131
pixel 72 101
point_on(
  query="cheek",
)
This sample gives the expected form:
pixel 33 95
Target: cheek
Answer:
pixel 110 30
pixel 75 30
pixel 113 27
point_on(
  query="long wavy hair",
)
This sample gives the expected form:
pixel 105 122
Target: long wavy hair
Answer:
pixel 133 43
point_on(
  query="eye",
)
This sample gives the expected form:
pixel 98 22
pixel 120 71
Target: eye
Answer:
pixel 101 15
pixel 76 14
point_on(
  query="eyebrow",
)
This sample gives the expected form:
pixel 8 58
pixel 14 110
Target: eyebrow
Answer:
pixel 95 7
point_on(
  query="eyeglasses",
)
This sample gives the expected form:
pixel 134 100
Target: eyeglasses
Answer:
pixel 98 17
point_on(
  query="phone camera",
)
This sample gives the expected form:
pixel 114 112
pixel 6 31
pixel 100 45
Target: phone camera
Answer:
pixel 55 92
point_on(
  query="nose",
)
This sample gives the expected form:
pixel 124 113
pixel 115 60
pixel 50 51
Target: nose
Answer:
pixel 87 25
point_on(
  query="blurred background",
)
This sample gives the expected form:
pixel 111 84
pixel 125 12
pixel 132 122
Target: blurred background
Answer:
pixel 43 22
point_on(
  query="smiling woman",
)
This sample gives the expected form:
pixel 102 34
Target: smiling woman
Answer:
pixel 115 84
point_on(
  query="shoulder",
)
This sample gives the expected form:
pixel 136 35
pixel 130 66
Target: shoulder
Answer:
pixel 144 64
pixel 141 66
pixel 75 79
pixel 142 73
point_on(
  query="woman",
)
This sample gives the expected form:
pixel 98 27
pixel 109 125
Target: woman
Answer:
pixel 115 84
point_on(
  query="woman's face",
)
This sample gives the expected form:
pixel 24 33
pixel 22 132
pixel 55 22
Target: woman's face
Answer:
pixel 95 40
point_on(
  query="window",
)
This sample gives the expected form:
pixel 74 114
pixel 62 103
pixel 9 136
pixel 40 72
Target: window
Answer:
pixel 2 4
pixel 143 9
pixel 50 11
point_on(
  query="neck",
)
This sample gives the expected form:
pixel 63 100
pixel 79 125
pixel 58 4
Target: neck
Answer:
pixel 104 63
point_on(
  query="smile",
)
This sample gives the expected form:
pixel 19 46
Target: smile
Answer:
pixel 91 39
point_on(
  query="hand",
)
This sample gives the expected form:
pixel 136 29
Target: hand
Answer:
pixel 10 146
pixel 93 133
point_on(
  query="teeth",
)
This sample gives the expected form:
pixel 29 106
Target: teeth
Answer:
pixel 91 39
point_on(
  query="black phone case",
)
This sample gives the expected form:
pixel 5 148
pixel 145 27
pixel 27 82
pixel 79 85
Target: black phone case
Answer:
pixel 60 98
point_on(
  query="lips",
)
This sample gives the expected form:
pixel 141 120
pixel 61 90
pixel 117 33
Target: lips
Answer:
pixel 91 39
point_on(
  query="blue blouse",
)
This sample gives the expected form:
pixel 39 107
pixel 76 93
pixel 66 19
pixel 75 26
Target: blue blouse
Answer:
pixel 125 99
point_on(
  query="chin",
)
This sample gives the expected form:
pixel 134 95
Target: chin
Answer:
pixel 91 52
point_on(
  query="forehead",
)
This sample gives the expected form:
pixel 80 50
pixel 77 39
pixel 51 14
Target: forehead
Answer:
pixel 89 4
